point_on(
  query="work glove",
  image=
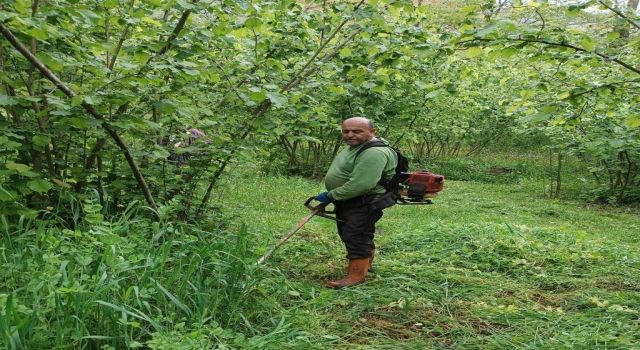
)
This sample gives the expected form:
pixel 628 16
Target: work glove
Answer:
pixel 323 198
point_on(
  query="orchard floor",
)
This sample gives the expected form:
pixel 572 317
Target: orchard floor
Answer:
pixel 485 267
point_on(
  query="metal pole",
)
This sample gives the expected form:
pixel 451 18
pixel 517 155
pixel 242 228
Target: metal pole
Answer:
pixel 286 237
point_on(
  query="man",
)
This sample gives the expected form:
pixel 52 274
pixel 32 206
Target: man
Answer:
pixel 352 184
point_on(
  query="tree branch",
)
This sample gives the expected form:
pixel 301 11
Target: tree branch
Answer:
pixel 263 107
pixel 174 34
pixel 563 44
pixel 89 108
pixel 291 82
pixel 619 13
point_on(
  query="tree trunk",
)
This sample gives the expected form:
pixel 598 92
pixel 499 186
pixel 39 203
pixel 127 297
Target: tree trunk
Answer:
pixel 559 175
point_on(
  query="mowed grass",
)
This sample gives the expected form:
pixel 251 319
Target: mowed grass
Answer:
pixel 486 266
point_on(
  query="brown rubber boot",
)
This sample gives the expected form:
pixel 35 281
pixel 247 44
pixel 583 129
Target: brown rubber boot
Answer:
pixel 373 253
pixel 356 273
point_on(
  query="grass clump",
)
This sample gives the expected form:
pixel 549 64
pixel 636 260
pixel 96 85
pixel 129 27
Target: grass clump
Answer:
pixel 129 283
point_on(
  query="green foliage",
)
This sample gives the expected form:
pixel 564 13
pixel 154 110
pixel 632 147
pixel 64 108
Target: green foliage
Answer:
pixel 457 85
pixel 275 78
pixel 575 91
pixel 127 282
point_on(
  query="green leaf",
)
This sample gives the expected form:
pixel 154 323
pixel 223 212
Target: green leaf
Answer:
pixel 90 15
pixel 256 94
pixel 6 195
pixel 9 144
pixel 420 84
pixel 337 90
pixel 50 62
pixel 40 185
pixel 22 6
pixel 61 112
pixel 76 100
pixel 487 30
pixel 345 52
pixel 78 122
pixel 92 100
pixel 538 117
pixel 110 3
pixel 38 33
pixel 141 57
pixel 433 94
pixel 21 168
pixel 616 143
pixel 213 77
pixel 613 36
pixel 469 9
pixel 588 44
pixel 7 101
pixel 294 293
pixel 40 140
pixel 632 121
pixel 527 94
pixel 277 99
pixel 5 16
pixel 186 5
pixel 61 183
pixel 508 52
pixel 473 52
pixel 160 153
pixel 252 23
pixel 28 213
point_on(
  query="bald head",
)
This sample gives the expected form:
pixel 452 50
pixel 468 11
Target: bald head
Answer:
pixel 357 130
pixel 359 121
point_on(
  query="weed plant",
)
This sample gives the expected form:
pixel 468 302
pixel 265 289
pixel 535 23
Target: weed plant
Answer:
pixel 129 283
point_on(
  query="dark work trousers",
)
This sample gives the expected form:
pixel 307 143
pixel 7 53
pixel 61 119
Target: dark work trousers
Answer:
pixel 356 225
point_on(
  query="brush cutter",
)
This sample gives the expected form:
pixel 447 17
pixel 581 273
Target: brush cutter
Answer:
pixel 318 210
pixel 414 190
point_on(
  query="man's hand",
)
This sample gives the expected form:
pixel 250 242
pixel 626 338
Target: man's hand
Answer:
pixel 323 198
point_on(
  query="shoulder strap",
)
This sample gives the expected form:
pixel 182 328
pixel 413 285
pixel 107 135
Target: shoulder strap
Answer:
pixel 387 184
pixel 366 146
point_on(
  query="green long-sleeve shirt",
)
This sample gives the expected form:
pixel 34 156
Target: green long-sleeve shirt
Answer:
pixel 350 177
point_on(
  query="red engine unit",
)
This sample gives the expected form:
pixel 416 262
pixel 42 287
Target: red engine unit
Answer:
pixel 421 184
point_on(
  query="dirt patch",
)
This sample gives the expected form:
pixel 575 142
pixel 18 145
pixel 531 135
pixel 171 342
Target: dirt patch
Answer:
pixel 547 300
pixel 376 325
pixel 558 286
pixel 497 170
pixel 616 284
pixel 483 328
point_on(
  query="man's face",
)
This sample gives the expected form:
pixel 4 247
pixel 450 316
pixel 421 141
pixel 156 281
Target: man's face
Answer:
pixel 355 133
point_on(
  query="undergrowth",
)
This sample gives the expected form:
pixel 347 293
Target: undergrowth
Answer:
pixel 129 283
pixel 487 266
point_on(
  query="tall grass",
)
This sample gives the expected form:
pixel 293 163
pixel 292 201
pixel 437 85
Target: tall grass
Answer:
pixel 127 283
